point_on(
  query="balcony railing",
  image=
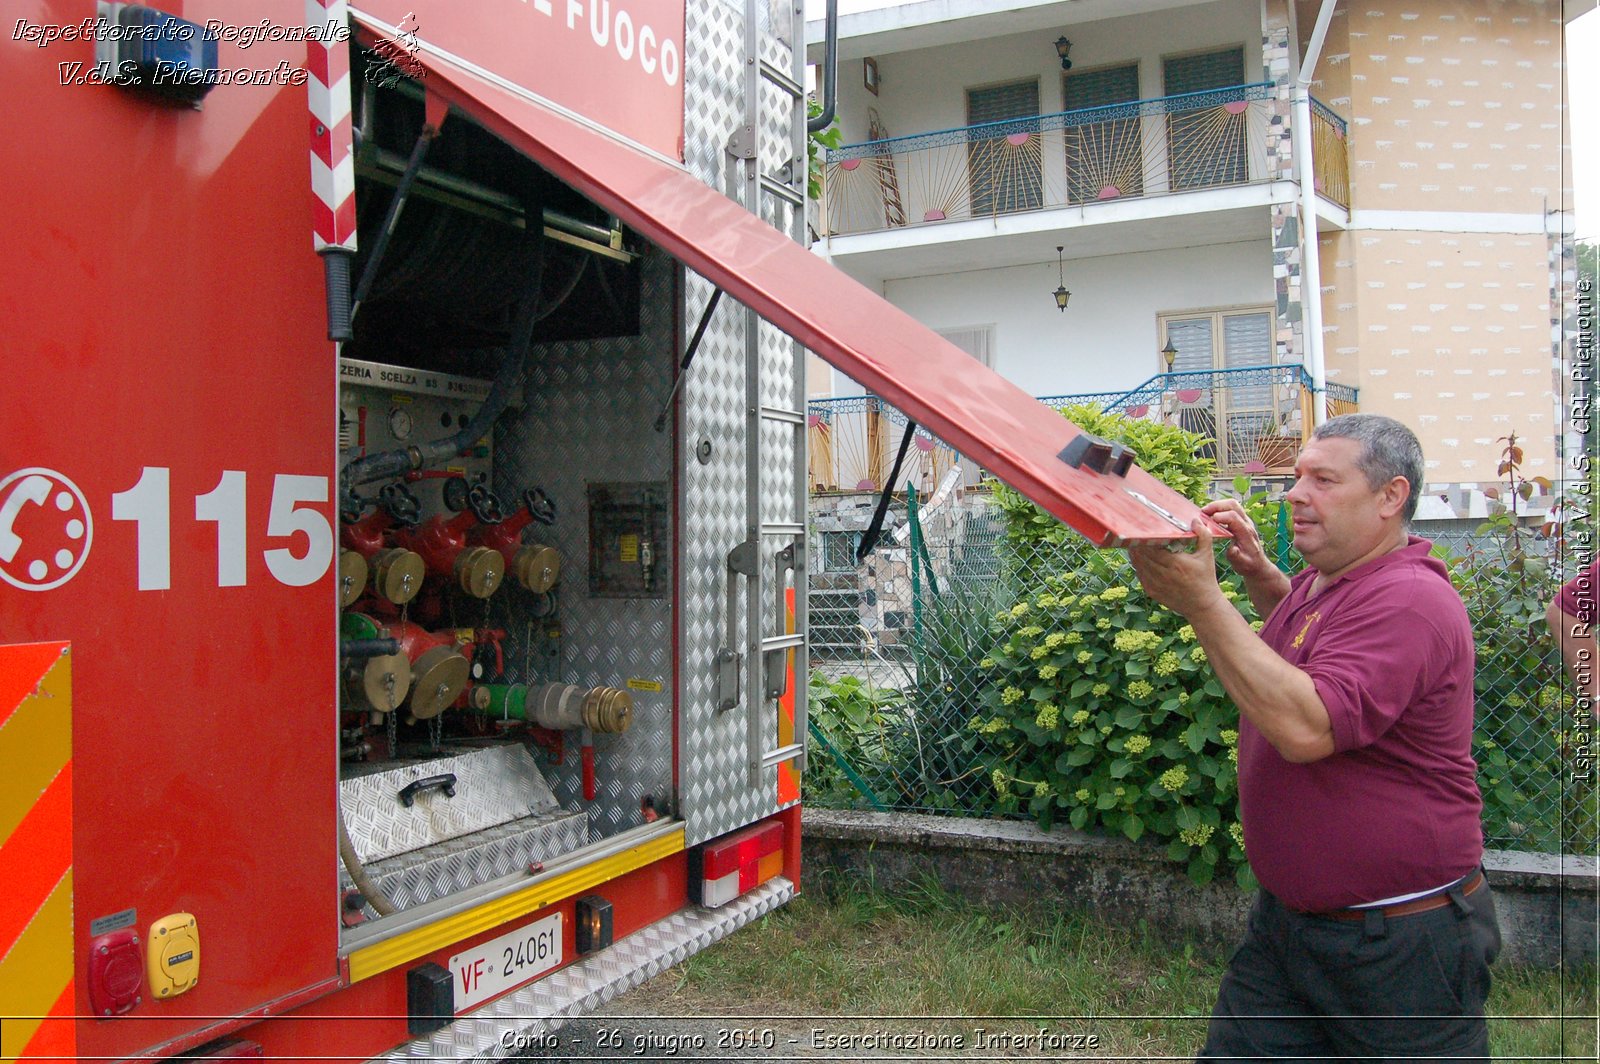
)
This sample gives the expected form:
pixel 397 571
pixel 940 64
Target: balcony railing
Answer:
pixel 1180 143
pixel 1330 154
pixel 1254 420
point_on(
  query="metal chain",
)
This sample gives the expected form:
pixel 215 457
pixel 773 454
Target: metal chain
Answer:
pixel 389 713
pixel 527 656
pixel 393 723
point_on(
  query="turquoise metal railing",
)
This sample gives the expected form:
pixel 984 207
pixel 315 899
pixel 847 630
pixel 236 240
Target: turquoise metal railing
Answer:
pixel 1142 148
pixel 1253 419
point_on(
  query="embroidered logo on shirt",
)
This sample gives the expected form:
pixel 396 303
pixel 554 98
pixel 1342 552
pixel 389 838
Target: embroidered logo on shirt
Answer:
pixel 1311 618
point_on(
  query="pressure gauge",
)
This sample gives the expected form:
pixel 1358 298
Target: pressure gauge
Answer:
pixel 400 424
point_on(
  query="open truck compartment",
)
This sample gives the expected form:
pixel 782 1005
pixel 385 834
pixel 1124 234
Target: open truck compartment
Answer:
pixel 529 577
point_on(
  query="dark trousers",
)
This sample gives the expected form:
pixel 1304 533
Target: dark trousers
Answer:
pixel 1380 988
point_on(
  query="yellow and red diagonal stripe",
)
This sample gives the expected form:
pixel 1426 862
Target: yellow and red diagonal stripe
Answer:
pixel 36 986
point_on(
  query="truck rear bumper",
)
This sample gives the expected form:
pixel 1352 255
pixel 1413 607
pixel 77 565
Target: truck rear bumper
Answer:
pixel 502 1026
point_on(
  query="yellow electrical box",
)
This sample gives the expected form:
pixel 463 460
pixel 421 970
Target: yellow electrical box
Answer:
pixel 172 958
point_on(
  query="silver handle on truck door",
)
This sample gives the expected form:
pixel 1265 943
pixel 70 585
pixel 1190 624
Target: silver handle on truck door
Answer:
pixel 741 562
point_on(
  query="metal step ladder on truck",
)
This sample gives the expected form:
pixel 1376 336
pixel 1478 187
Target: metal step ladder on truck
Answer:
pixel 403 565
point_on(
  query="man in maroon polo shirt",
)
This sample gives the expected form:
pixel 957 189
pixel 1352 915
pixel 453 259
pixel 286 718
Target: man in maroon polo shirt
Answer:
pixel 1374 928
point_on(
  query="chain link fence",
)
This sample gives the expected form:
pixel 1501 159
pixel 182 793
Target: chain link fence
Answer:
pixel 900 684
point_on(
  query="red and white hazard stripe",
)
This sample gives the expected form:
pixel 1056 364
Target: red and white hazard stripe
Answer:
pixel 333 171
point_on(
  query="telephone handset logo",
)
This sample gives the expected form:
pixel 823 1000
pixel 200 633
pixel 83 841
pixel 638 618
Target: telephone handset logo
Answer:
pixel 45 529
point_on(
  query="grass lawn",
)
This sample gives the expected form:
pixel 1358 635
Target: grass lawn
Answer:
pixel 919 962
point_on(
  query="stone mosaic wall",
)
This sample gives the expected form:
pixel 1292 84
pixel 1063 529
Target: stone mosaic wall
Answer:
pixel 1278 67
pixel 1457 105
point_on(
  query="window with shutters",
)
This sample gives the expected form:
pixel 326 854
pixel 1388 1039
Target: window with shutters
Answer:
pixel 1105 158
pixel 1243 408
pixel 1003 162
pixel 975 340
pixel 1205 145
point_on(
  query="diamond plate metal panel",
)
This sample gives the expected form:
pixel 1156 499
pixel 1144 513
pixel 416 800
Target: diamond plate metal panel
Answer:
pixel 588 416
pixel 446 867
pixel 492 786
pixel 544 1006
pixel 716 795
pixel 779 158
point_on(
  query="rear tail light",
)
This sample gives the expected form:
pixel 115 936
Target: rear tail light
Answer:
pixel 722 870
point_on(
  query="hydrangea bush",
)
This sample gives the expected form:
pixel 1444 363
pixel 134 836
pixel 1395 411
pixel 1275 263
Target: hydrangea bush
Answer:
pixel 1101 710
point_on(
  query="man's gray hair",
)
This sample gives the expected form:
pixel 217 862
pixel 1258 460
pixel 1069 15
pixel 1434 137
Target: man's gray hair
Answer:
pixel 1388 450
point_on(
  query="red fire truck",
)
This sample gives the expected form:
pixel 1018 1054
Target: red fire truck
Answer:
pixel 403 557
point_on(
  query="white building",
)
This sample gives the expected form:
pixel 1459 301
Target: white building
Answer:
pixel 1162 163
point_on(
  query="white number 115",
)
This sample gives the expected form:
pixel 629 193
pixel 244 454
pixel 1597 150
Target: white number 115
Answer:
pixel 148 504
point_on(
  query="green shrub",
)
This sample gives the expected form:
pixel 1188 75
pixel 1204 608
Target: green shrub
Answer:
pixel 854 717
pixel 942 762
pixel 1101 709
pixel 904 748
pixel 1517 688
pixel 1525 704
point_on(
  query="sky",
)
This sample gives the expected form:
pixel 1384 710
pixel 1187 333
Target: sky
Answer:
pixel 1583 95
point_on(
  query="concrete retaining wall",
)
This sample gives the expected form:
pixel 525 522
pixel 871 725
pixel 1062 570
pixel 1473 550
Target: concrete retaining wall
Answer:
pixel 1546 905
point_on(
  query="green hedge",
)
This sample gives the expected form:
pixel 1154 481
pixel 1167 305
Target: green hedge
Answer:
pixel 1099 707
pixel 1101 710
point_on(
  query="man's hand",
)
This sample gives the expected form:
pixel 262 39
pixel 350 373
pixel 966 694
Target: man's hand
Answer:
pixel 1263 582
pixel 1185 581
pixel 1245 553
pixel 1279 699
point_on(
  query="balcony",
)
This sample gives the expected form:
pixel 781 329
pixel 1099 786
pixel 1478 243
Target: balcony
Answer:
pixel 1330 154
pixel 1096 155
pixel 1254 420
